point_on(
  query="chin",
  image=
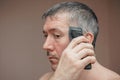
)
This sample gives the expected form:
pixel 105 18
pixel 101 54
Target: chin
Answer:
pixel 54 67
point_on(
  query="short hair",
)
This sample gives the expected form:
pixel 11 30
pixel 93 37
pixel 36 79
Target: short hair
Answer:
pixel 79 14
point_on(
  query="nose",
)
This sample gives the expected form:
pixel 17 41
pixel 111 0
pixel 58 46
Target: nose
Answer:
pixel 48 44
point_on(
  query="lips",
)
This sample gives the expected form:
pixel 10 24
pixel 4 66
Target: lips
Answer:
pixel 53 60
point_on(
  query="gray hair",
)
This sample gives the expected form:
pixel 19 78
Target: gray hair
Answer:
pixel 80 15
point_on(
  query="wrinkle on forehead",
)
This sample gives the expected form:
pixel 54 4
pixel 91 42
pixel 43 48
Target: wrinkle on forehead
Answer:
pixel 65 16
pixel 58 21
pixel 60 17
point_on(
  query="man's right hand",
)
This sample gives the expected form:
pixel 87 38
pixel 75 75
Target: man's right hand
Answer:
pixel 74 58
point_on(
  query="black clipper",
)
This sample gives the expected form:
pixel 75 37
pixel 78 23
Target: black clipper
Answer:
pixel 75 32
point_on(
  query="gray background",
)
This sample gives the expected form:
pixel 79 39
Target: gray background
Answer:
pixel 21 54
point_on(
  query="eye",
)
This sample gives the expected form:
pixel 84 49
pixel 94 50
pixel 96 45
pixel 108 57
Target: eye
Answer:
pixel 57 36
pixel 45 35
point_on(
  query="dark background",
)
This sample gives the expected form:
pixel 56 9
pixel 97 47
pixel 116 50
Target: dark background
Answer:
pixel 21 54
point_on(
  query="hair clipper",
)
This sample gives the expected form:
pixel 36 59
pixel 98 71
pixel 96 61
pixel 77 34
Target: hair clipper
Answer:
pixel 75 32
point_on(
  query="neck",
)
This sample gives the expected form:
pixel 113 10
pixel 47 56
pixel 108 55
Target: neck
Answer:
pixel 91 74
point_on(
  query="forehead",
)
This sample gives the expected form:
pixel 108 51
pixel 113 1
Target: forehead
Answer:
pixel 56 21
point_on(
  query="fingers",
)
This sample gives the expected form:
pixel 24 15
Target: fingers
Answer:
pixel 87 60
pixel 82 51
pixel 77 41
pixel 85 52
pixel 81 46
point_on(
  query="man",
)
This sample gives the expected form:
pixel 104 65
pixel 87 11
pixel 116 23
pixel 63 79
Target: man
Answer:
pixel 68 57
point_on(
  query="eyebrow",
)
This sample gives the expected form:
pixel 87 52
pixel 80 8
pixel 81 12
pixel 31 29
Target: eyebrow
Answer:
pixel 53 29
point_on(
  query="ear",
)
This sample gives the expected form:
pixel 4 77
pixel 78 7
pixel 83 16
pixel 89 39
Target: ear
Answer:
pixel 89 36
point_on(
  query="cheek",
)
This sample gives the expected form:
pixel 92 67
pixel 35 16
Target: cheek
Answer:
pixel 60 48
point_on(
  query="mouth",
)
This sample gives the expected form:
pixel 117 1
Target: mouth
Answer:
pixel 53 60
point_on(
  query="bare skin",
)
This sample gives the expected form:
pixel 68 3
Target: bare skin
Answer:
pixel 68 59
pixel 105 74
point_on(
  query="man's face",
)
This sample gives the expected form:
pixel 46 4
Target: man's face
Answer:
pixel 56 33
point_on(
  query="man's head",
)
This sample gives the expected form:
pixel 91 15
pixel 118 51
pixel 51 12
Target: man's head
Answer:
pixel 58 19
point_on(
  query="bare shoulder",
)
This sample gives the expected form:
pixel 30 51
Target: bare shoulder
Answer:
pixel 113 75
pixel 46 76
pixel 105 73
pixel 117 77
